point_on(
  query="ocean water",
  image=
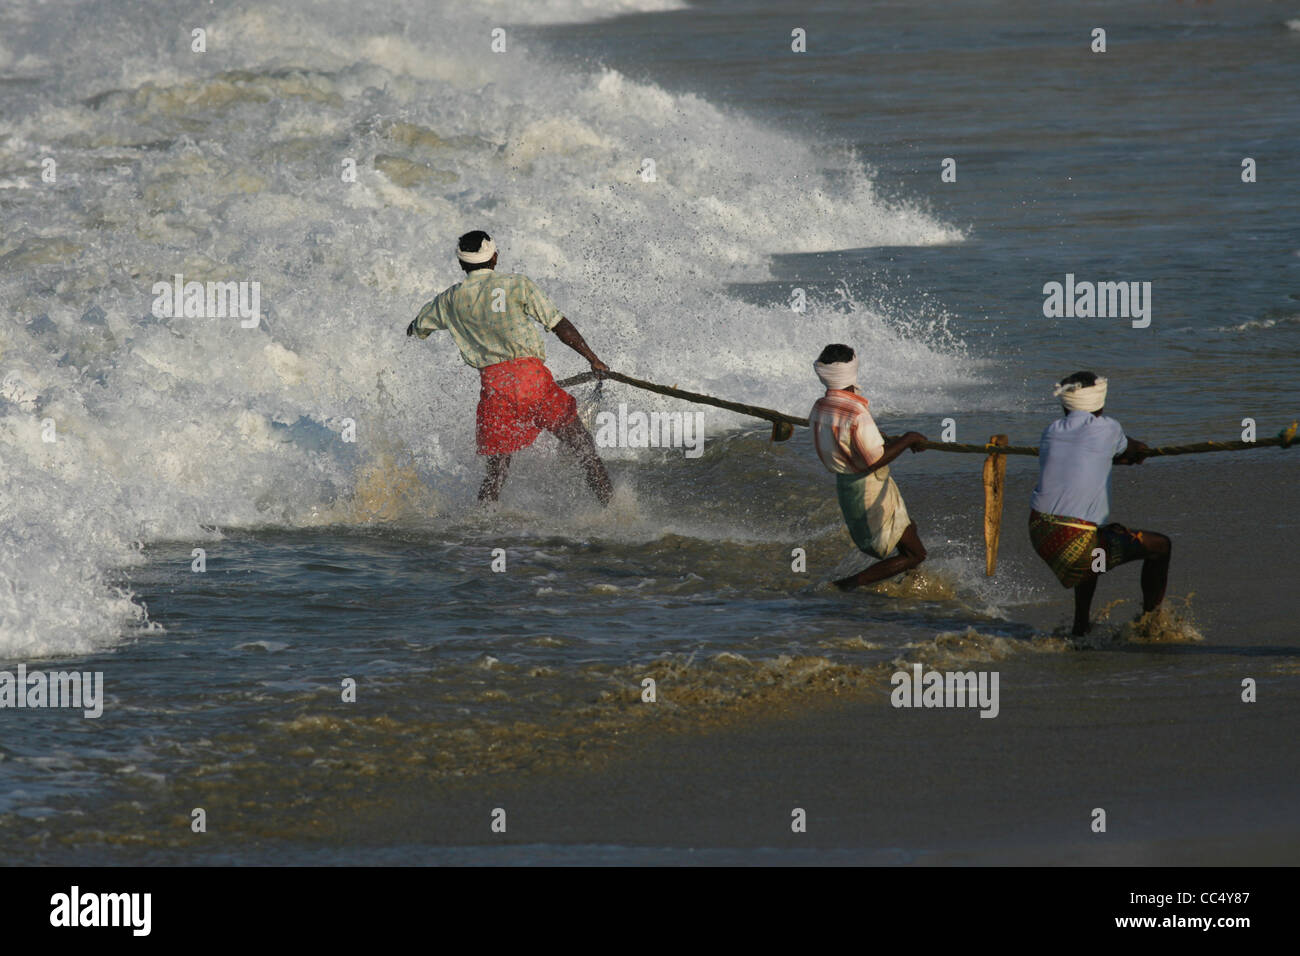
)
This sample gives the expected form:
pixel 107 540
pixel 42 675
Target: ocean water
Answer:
pixel 330 559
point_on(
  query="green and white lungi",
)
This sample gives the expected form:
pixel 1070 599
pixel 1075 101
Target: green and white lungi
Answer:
pixel 874 511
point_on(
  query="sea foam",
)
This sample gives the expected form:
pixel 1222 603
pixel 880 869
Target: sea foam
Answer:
pixel 227 166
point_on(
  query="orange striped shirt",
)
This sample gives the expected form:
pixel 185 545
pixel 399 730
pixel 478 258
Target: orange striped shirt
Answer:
pixel 844 433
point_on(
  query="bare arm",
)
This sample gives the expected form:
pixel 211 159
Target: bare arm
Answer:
pixel 1134 454
pixel 566 333
pixel 896 446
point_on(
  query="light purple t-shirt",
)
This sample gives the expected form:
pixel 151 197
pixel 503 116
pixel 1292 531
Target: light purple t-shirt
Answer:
pixel 1074 459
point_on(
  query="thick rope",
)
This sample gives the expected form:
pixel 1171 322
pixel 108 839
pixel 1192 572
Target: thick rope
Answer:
pixel 1285 438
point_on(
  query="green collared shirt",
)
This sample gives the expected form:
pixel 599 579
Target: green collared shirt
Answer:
pixel 491 316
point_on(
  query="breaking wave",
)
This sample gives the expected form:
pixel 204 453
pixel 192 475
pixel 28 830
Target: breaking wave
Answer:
pixel 121 428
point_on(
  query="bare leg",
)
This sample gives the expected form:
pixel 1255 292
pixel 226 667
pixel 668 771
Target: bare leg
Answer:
pixel 498 466
pixel 1083 592
pixel 1155 569
pixel 1155 575
pixel 575 437
pixel 911 552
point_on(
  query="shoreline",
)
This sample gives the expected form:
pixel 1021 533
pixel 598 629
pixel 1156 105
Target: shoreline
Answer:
pixel 880 786
pixel 888 785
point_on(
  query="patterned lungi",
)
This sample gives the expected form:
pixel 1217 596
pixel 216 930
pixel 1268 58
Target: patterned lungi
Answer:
pixel 1067 544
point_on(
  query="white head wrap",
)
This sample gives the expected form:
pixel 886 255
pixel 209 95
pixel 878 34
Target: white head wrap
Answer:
pixel 1079 398
pixel 841 375
pixel 485 252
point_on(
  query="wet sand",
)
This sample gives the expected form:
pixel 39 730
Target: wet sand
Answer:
pixel 885 785
pixel 1157 735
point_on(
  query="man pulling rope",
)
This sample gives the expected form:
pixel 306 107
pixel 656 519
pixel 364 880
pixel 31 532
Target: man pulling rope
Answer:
pixel 1071 502
pixel 490 317
pixel 850 445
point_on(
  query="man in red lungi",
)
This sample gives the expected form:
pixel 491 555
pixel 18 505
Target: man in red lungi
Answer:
pixel 493 319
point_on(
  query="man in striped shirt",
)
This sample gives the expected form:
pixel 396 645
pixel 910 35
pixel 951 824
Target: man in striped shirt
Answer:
pixel 851 446
pixel 493 318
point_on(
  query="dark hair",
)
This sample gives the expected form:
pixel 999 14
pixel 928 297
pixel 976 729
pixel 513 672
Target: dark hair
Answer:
pixel 1086 379
pixel 471 242
pixel 835 353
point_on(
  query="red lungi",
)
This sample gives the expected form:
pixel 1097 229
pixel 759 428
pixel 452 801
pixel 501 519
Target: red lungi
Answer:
pixel 516 401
